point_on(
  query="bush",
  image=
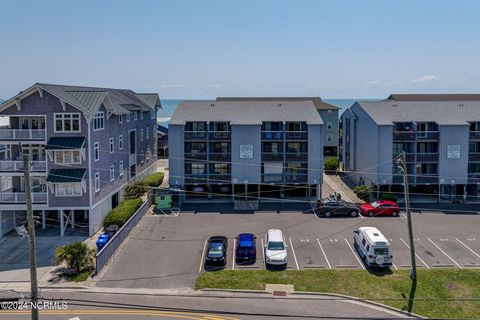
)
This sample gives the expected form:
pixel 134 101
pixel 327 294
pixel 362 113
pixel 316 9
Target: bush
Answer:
pixel 154 180
pixel 77 256
pixel 134 191
pixel 331 164
pixel 363 192
pixel 122 212
pixel 388 196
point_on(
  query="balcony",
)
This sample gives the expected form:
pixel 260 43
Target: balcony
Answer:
pixel 195 135
pixel 195 179
pixel 22 134
pixel 403 136
pixel 17 166
pixel 474 135
pixel 296 135
pixel 217 178
pixel 427 157
pixel 474 178
pixel 298 156
pixel 272 135
pixel 219 135
pixel 295 178
pixel 267 156
pixel 20 197
pixel 132 159
pixel 474 156
pixel 220 156
pixel 398 179
pixel 196 156
pixel 271 178
pixel 427 135
pixel 424 178
pixel 409 157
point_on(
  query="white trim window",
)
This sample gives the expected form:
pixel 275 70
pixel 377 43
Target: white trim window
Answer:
pixel 120 142
pixel 142 156
pixel 128 117
pixel 120 118
pixel 120 168
pixel 141 135
pixel 112 172
pixel 99 121
pixel 135 115
pixel 68 157
pixel 97 181
pixel 68 189
pixel 67 122
pixel 329 138
pixel 147 132
pixel 112 145
pixel 96 151
pixel 141 115
pixel 329 126
pixel 147 155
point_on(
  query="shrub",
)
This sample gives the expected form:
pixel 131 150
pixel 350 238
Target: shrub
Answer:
pixel 134 191
pixel 388 196
pixel 363 192
pixel 331 164
pixel 154 180
pixel 122 212
pixel 77 256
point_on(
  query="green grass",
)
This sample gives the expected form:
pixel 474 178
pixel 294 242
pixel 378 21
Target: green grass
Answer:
pixel 82 276
pixel 440 292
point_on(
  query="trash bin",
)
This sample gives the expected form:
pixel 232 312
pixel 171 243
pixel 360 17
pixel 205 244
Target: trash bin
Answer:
pixel 102 241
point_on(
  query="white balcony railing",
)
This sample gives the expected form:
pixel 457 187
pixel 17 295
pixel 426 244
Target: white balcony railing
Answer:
pixel 16 166
pixel 19 197
pixel 22 134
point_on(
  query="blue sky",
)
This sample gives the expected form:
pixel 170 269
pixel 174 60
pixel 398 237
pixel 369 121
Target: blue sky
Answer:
pixel 204 49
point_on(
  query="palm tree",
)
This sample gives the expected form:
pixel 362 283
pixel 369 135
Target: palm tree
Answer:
pixel 77 256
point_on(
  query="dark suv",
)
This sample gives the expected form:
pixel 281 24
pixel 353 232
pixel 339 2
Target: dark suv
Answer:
pixel 332 206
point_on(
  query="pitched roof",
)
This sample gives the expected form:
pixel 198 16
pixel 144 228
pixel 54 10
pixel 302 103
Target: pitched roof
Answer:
pixel 246 112
pixel 89 99
pixel 387 112
pixel 62 143
pixel 66 175
pixel 317 101
pixel 434 97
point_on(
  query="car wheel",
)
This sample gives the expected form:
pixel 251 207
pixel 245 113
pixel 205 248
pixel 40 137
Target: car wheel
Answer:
pixel 328 214
pixel 395 214
pixel 353 213
pixel 371 214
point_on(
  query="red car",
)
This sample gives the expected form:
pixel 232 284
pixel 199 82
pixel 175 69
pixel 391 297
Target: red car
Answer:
pixel 380 208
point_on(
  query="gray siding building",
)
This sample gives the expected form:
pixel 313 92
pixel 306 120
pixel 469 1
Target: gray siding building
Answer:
pixel 440 135
pixel 84 143
pixel 246 150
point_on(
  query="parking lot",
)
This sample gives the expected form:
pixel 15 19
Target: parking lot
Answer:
pixel 168 251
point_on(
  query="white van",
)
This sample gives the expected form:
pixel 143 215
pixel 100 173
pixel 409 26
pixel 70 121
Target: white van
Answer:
pixel 275 248
pixel 373 247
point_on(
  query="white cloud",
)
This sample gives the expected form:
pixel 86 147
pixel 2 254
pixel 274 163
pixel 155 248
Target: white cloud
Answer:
pixel 215 86
pixel 426 78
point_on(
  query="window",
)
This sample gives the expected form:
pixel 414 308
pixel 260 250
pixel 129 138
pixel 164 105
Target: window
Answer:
pixel 147 133
pixel 120 119
pixel 329 138
pixel 68 157
pixel 111 145
pixel 147 155
pixel 96 151
pixel 128 117
pixel 99 121
pixel 221 168
pixel 97 181
pixel 135 115
pixel 294 126
pixel 120 142
pixel 141 135
pixel 142 155
pixel 141 115
pixel 120 168
pixel 68 189
pixel 112 172
pixel 195 168
pixel 329 125
pixel 67 122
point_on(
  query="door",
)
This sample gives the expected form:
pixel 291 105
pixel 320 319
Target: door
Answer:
pixel 114 200
pixel 132 142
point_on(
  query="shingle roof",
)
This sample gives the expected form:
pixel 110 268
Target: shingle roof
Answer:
pixel 317 101
pixel 442 112
pixel 66 175
pixel 434 97
pixel 246 112
pixel 62 143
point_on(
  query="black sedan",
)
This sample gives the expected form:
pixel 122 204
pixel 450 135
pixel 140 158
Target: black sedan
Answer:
pixel 216 251
pixel 329 207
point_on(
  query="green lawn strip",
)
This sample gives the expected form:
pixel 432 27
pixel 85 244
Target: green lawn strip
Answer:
pixel 438 291
pixel 82 276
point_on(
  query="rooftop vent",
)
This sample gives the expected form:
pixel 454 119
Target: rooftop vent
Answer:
pixel 279 104
pixel 460 104
pixel 212 104
pixel 394 105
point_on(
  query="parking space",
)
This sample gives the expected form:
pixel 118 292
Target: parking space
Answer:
pixel 341 254
pixel 458 253
pixel 309 253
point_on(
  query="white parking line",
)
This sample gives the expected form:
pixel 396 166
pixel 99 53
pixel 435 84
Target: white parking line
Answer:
pixel 356 257
pixel 233 253
pixel 294 256
pixel 471 250
pixel 263 252
pixel 445 253
pixel 203 256
pixel 393 264
pixel 323 251
pixel 416 255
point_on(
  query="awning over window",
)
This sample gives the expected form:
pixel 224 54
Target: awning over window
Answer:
pixel 66 175
pixel 65 143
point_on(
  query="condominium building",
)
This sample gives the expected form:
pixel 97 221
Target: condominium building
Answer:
pixel 84 145
pixel 249 150
pixel 440 135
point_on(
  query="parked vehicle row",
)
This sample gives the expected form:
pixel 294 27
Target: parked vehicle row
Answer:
pixel 332 206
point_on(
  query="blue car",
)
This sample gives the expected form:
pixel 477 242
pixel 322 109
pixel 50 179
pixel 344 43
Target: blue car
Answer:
pixel 246 250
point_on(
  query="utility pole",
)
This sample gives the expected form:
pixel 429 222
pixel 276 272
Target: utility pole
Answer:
pixel 413 272
pixel 31 240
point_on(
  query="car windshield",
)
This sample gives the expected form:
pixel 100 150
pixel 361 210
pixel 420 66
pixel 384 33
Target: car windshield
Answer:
pixel 215 249
pixel 382 251
pixel 276 245
pixel 374 204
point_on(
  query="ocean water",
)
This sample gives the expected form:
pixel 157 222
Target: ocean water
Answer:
pixel 169 106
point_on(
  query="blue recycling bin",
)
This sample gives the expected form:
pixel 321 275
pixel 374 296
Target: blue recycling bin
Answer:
pixel 102 241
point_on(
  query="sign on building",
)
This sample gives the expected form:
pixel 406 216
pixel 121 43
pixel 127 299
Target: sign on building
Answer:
pixel 246 151
pixel 453 151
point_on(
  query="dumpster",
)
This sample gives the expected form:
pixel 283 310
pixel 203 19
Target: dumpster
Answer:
pixel 102 241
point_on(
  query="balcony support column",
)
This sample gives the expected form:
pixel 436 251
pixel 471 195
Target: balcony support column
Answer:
pixel 43 220
pixel 62 223
pixel 72 219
